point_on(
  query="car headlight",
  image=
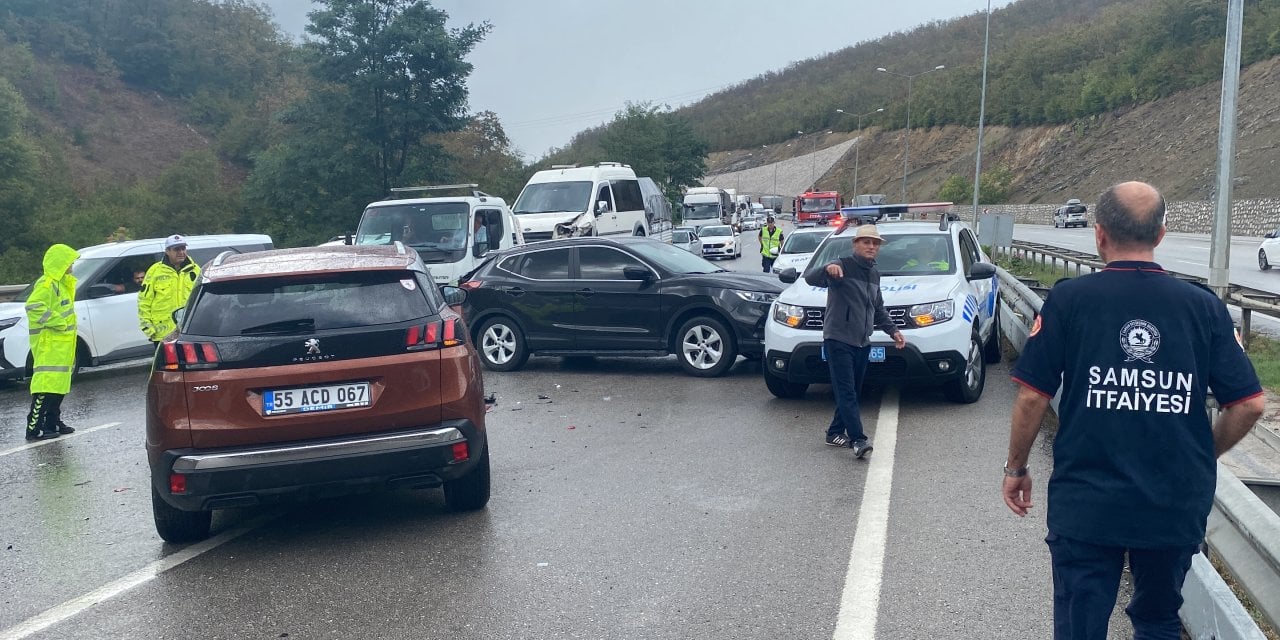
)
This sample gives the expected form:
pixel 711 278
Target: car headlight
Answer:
pixel 5 323
pixel 788 314
pixel 729 243
pixel 931 313
pixel 756 296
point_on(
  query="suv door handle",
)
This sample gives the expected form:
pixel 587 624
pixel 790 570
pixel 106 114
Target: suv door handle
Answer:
pixel 586 292
pixel 514 291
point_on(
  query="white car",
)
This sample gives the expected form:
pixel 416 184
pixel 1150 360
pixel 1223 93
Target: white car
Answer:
pixel 687 239
pixel 107 300
pixel 941 291
pixel 1072 214
pixel 752 222
pixel 720 241
pixel 1269 250
pixel 798 248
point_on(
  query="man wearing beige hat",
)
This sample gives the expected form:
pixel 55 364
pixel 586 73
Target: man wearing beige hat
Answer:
pixel 855 308
pixel 165 289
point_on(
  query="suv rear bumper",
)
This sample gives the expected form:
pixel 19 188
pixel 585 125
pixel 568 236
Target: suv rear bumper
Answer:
pixel 415 458
pixel 805 365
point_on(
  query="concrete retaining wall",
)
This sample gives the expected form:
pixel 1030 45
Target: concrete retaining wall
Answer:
pixel 1248 217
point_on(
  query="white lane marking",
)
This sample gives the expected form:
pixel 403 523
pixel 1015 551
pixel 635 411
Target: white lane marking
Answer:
pixel 71 608
pixel 41 443
pixel 860 601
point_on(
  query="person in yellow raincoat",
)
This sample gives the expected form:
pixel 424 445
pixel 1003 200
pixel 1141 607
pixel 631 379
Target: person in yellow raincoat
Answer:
pixel 166 288
pixel 51 317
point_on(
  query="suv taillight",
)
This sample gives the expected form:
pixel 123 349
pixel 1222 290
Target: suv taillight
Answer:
pixel 180 355
pixel 433 335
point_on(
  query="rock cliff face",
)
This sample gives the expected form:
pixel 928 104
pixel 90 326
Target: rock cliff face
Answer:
pixel 1171 143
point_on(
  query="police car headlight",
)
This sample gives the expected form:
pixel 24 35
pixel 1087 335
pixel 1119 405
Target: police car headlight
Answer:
pixel 5 323
pixel 788 314
pixel 931 313
pixel 756 296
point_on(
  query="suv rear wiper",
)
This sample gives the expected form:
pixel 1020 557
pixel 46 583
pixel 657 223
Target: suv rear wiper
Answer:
pixel 282 326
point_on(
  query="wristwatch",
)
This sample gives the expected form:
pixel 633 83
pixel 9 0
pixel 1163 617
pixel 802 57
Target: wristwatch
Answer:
pixel 1014 473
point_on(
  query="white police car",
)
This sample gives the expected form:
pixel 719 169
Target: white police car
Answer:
pixel 941 291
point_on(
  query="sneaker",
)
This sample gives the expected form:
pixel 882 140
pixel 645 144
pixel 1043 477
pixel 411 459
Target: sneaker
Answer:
pixel 64 429
pixel 838 440
pixel 41 435
pixel 861 448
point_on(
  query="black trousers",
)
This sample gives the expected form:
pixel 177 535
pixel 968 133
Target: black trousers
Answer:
pixel 46 412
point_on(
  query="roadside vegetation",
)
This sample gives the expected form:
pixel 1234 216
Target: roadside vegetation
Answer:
pixel 1263 351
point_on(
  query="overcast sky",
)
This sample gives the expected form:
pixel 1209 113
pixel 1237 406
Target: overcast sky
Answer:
pixel 551 68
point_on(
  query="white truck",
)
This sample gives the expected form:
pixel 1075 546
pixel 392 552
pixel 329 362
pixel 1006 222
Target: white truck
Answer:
pixel 451 233
pixel 706 206
pixel 568 201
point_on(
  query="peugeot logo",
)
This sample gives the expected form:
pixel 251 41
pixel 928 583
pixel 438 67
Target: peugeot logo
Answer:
pixel 312 345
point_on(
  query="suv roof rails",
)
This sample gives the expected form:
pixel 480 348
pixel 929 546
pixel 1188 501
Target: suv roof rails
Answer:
pixel 475 193
pixel 565 166
pixel 399 247
pixel 217 260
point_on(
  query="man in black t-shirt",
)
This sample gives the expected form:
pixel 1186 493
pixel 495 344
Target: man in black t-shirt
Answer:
pixel 1134 460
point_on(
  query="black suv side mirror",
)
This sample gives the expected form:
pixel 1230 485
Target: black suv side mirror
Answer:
pixel 453 296
pixel 981 271
pixel 788 275
pixel 637 273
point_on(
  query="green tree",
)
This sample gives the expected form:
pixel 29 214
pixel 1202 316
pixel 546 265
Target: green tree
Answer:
pixel 956 189
pixel 997 184
pixel 656 143
pixel 481 153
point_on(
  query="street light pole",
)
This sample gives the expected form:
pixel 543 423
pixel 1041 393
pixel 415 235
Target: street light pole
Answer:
pixel 857 146
pixel 906 136
pixel 982 116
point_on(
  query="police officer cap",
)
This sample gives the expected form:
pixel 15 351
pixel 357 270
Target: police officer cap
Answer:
pixel 175 241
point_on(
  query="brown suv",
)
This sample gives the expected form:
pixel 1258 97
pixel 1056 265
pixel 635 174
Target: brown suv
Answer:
pixel 313 372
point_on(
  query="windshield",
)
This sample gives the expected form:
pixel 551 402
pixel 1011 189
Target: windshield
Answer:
pixel 702 212
pixel 900 255
pixel 437 230
pixel 818 204
pixel 803 242
pixel 672 258
pixel 549 197
pixel 718 230
pixel 84 269
pixel 681 236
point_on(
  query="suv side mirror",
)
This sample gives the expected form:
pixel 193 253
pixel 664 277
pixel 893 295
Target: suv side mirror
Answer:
pixel 602 206
pixel 178 315
pixel 788 275
pixel 637 273
pixel 1270 235
pixel 981 271
pixel 453 295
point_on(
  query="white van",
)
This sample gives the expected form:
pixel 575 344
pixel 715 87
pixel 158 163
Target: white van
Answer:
pixel 451 233
pixel 569 201
pixel 107 300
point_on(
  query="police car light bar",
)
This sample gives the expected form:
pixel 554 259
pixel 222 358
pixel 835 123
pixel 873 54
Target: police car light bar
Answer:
pixel 873 213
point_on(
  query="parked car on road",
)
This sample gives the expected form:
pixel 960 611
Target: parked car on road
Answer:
pixel 314 372
pixel 1269 250
pixel 939 288
pixel 107 300
pixel 686 239
pixel 615 296
pixel 1072 214
pixel 720 241
pixel 752 222
pixel 798 248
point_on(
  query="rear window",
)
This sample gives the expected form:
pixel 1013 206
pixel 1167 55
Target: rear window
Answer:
pixel 1074 208
pixel 281 306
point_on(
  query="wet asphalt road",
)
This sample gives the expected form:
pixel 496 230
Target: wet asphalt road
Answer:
pixel 632 502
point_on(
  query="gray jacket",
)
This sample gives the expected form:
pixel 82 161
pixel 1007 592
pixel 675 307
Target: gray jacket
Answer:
pixel 854 304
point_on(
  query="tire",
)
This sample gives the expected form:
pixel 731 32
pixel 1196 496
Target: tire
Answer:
pixel 178 526
pixel 782 388
pixel 1263 264
pixel 991 349
pixel 705 347
pixel 968 388
pixel 470 492
pixel 501 344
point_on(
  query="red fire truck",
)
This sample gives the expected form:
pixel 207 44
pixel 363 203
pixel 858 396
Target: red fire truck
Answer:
pixel 820 207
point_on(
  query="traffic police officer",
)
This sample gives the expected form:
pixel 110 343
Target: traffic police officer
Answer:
pixel 770 244
pixel 165 289
pixel 51 319
pixel 1134 459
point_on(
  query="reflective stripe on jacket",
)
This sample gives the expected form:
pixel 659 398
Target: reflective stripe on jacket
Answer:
pixel 770 241
pixel 164 290
pixel 51 318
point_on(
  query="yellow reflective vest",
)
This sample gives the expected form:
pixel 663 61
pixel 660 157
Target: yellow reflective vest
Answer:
pixel 770 243
pixel 164 290
pixel 51 319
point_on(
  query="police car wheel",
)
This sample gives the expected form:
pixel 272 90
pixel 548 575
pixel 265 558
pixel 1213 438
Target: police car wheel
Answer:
pixel 501 344
pixel 705 347
pixel 968 388
pixel 1262 261
pixel 782 388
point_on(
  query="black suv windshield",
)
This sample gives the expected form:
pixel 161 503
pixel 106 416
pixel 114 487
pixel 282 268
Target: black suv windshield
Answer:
pixel 549 197
pixel 302 305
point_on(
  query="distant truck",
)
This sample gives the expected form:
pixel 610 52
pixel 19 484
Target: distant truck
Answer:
pixel 772 202
pixel 869 199
pixel 821 207
pixel 706 205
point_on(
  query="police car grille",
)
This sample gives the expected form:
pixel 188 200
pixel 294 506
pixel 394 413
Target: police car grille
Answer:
pixel 813 317
pixel 536 236
pixel 899 317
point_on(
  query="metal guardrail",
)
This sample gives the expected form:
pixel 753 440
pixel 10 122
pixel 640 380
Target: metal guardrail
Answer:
pixel 1242 530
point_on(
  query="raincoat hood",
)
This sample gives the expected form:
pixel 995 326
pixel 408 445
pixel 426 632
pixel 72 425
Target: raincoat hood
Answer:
pixel 58 259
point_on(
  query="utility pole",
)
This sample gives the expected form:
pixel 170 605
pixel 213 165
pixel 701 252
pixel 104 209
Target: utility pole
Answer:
pixel 1220 243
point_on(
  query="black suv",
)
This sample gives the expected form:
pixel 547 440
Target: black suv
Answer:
pixel 627 296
